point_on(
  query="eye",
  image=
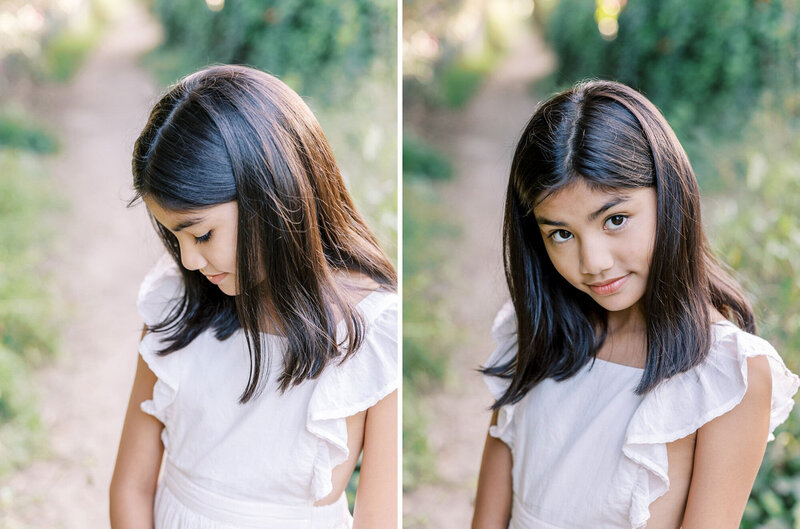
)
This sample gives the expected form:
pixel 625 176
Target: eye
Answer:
pixel 560 236
pixel 615 222
pixel 203 238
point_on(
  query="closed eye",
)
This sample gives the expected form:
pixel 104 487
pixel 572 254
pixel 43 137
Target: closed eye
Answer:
pixel 203 238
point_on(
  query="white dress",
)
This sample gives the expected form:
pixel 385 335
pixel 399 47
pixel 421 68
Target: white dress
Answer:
pixel 589 453
pixel 262 464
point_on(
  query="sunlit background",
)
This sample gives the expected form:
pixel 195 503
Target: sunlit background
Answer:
pixel 726 74
pixel 77 79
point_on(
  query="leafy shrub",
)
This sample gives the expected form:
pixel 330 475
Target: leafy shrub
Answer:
pixel 702 62
pixel 17 132
pixel 67 51
pixel 755 228
pixel 422 161
pixel 320 48
pixel 27 329
pixel 427 335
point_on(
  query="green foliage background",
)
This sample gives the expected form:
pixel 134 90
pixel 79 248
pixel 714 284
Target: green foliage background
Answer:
pixel 704 62
pixel 29 206
pixel 427 333
pixel 319 47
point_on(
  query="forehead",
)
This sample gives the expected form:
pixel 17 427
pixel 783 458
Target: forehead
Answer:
pixel 580 200
pixel 176 220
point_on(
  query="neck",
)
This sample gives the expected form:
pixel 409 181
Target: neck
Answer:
pixel 628 321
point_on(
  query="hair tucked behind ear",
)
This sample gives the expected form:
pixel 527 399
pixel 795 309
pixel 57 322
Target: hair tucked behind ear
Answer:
pixel 234 133
pixel 612 137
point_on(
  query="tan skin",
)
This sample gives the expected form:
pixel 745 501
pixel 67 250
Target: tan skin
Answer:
pixel 373 431
pixel 712 470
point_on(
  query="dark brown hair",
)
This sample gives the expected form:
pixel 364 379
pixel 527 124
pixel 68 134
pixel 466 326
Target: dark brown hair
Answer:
pixel 234 133
pixel 612 137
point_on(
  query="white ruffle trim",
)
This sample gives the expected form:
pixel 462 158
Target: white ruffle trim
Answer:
pixel 346 389
pixel 504 332
pixel 161 287
pixel 682 404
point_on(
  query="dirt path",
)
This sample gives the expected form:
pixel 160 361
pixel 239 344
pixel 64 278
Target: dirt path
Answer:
pixel 480 141
pixel 103 252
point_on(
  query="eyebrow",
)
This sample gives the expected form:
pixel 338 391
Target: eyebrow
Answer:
pixel 191 221
pixel 592 216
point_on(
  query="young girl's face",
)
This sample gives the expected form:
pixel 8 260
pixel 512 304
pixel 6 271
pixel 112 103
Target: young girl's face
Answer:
pixel 601 242
pixel 207 239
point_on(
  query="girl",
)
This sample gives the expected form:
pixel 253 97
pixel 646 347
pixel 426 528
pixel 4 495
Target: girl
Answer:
pixel 629 389
pixel 269 354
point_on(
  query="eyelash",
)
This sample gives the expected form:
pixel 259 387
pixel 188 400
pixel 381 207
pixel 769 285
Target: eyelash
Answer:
pixel 617 227
pixel 614 228
pixel 203 238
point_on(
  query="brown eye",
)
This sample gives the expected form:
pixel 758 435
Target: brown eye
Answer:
pixel 616 221
pixel 561 235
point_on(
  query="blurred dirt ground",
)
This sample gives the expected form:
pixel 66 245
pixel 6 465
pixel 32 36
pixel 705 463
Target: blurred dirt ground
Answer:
pixel 480 142
pixel 102 252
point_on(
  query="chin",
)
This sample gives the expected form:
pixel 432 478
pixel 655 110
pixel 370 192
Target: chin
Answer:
pixel 614 305
pixel 227 289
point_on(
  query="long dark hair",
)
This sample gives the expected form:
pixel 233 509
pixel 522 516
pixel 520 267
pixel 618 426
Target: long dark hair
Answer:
pixel 234 133
pixel 612 137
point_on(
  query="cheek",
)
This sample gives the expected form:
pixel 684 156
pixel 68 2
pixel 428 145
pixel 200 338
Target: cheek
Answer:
pixel 645 242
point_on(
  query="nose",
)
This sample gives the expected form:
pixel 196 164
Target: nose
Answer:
pixel 191 258
pixel 596 257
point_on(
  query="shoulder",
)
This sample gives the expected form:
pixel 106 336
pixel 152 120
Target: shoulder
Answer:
pixel 739 366
pixel 752 364
pixel 734 400
pixel 161 287
pixel 377 304
pixel 504 326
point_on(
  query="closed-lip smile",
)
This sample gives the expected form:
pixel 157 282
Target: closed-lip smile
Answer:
pixel 610 286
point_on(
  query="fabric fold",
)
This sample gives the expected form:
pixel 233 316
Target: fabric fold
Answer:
pixel 682 404
pixel 504 332
pixel 352 386
pixel 161 288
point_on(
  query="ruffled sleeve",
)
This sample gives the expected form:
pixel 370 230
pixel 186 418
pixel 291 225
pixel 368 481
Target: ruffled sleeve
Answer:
pixel 504 332
pixel 682 404
pixel 353 386
pixel 161 288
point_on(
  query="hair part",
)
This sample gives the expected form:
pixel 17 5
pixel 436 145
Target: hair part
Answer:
pixel 235 133
pixel 611 137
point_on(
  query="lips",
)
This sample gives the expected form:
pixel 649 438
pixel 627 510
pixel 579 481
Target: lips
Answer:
pixel 217 278
pixel 605 288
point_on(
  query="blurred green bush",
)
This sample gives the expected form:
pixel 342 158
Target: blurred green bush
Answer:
pixel 320 48
pixel 27 323
pixel 754 226
pixel 422 162
pixel 18 132
pixel 704 62
pixel 427 334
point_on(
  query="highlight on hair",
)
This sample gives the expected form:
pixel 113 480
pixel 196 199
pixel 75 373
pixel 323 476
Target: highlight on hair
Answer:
pixel 611 137
pixel 235 133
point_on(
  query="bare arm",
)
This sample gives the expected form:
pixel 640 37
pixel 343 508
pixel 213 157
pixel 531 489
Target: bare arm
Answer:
pixel 728 454
pixel 133 484
pixel 493 502
pixel 376 498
